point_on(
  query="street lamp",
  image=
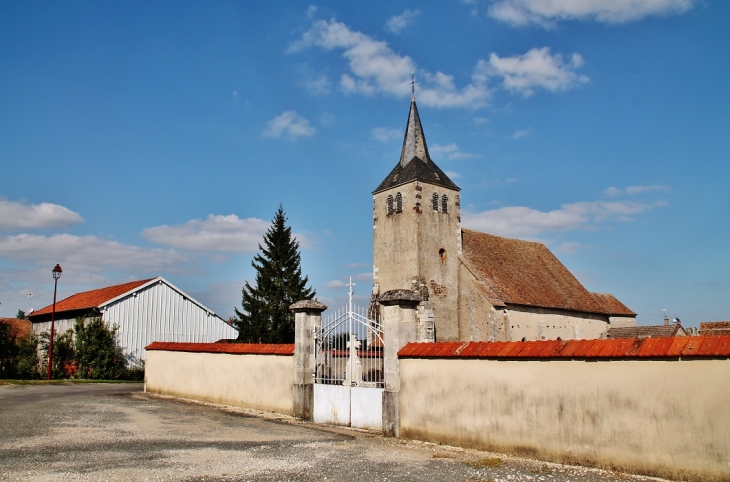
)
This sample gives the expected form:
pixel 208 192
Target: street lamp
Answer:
pixel 56 274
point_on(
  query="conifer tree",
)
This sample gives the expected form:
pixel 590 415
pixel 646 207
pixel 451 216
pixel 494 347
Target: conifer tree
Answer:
pixel 265 315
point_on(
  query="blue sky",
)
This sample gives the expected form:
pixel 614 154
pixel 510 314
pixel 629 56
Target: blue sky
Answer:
pixel 140 139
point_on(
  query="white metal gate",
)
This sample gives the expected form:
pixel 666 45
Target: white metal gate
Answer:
pixel 348 377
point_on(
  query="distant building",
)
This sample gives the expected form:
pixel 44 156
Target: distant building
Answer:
pixel 474 286
pixel 715 328
pixel 652 331
pixel 144 311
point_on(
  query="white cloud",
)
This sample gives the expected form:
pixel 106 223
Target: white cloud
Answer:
pixel 374 68
pixel 368 276
pixel 449 151
pixel 319 86
pixel 335 284
pixel 215 233
pixel 89 254
pixel 386 134
pixel 520 133
pixel 289 123
pixel 398 23
pixel 15 215
pixel 548 12
pixel 634 190
pixel 536 69
pixel 453 174
pixel 327 118
pixel 523 221
pixel 480 120
pixel 568 247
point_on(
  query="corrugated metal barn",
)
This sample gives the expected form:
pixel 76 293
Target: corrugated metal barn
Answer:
pixel 144 311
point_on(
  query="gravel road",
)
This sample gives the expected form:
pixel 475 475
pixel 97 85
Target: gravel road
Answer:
pixel 115 432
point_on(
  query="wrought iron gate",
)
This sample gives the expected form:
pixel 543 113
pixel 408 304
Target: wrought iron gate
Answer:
pixel 348 377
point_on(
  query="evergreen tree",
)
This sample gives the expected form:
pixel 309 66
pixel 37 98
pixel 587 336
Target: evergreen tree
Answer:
pixel 265 317
pixel 98 355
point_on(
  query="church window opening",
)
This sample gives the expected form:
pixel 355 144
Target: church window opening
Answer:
pixel 435 201
pixel 444 204
pixel 398 203
pixel 390 205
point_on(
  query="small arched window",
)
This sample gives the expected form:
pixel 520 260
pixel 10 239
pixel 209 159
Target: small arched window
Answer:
pixel 398 203
pixel 444 204
pixel 390 205
pixel 435 201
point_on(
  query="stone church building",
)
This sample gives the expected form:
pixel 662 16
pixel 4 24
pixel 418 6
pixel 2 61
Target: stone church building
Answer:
pixel 473 286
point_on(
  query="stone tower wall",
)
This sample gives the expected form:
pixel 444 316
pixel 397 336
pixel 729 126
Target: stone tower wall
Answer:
pixel 408 250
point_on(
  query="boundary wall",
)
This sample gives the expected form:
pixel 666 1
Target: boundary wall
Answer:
pixel 255 376
pixel 649 406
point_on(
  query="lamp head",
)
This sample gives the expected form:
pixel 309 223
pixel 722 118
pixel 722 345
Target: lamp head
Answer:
pixel 57 271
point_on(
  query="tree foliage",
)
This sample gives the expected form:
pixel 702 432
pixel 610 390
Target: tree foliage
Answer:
pixel 98 356
pixel 265 315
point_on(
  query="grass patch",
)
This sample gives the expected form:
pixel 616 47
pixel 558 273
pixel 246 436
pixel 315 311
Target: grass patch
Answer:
pixel 443 456
pixel 485 463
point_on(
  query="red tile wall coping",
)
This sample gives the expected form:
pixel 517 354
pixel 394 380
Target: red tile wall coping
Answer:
pixel 228 348
pixel 685 346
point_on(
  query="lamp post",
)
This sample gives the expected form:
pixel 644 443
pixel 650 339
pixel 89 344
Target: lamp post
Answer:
pixel 56 274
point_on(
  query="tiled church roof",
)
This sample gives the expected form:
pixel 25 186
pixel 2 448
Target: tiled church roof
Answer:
pixel 526 273
pixel 90 299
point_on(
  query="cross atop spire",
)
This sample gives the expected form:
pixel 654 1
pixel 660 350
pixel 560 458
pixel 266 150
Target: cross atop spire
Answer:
pixel 413 86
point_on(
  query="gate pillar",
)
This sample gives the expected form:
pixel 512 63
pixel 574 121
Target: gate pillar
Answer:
pixel 307 319
pixel 399 328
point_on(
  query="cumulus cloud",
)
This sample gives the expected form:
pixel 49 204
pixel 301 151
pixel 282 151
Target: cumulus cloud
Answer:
pixel 634 190
pixel 547 13
pixel 15 216
pixel 89 254
pixel 398 23
pixel 386 134
pixel 335 284
pixel 524 221
pixel 374 68
pixel 289 123
pixel 215 233
pixel 520 133
pixel 538 68
pixel 320 85
pixel 449 151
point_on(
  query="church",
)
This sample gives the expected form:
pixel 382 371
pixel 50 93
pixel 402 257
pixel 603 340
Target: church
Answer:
pixel 473 286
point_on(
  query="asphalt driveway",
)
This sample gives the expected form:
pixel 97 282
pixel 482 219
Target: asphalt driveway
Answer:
pixel 116 432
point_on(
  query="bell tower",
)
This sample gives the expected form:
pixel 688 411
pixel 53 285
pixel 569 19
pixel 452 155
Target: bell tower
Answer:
pixel 417 233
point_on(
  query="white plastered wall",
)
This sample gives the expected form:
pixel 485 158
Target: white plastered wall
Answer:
pixel 262 382
pixel 667 418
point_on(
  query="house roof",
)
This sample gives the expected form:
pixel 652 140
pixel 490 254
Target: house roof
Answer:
pixel 415 163
pixel 90 299
pixel 715 328
pixel 653 331
pixel 19 328
pixel 513 271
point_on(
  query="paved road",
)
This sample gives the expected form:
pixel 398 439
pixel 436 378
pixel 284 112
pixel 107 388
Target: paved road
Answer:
pixel 115 432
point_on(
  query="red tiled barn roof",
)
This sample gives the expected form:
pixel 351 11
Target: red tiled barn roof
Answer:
pixel 684 346
pixel 527 273
pixel 230 348
pixel 90 299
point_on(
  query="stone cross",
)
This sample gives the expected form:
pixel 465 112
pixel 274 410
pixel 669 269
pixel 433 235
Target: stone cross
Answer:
pixel 353 371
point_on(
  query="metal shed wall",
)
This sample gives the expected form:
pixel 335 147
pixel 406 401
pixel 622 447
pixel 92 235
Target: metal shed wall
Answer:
pixel 159 312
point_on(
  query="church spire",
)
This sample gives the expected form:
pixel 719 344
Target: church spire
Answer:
pixel 414 142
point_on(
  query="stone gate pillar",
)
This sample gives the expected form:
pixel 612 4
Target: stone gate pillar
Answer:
pixel 307 318
pixel 399 328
